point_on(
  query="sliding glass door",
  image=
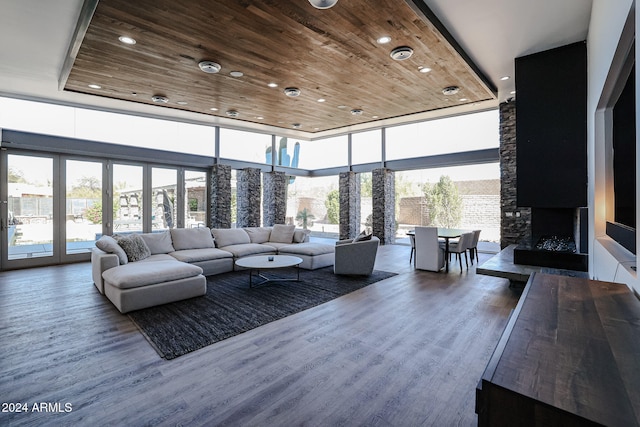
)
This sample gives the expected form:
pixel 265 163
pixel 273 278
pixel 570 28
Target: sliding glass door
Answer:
pixel 28 210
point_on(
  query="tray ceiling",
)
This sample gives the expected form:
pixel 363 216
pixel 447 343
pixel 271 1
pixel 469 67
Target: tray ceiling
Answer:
pixel 330 55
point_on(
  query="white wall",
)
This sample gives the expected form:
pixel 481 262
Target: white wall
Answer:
pixel 607 260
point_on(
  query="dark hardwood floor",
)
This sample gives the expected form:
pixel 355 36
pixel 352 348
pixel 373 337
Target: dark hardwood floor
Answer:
pixel 407 351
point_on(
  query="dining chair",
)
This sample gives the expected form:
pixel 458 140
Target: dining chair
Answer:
pixel 412 239
pixel 460 247
pixel 429 255
pixel 473 246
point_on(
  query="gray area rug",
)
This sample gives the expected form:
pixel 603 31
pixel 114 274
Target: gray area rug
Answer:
pixel 230 307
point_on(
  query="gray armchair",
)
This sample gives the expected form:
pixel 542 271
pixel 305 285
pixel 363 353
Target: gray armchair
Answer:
pixel 355 258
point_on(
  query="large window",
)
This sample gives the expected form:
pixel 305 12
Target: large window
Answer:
pixel 314 203
pixel 474 192
pixel 245 146
pixel 451 135
pixel 83 205
pixel 128 198
pixel 324 153
pixel 366 147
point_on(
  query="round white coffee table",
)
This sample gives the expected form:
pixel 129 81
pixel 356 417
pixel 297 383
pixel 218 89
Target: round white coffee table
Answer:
pixel 267 262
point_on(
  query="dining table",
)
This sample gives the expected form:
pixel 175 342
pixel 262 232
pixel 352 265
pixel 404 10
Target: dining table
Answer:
pixel 447 234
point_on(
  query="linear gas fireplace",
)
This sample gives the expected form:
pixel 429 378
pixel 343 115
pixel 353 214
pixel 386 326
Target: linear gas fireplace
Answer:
pixel 558 240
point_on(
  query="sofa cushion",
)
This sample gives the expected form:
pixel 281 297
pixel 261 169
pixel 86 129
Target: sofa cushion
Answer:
pixel 195 255
pixel 158 243
pixel 230 236
pixel 282 233
pixel 248 249
pixel 300 235
pixel 109 245
pixel 134 275
pixel 258 234
pixel 133 245
pixel 191 238
pixel 307 248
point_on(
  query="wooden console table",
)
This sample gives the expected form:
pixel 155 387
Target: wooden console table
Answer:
pixel 569 355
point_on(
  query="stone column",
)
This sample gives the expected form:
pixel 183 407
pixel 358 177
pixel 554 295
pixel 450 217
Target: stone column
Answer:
pixel 515 222
pixel 349 188
pixel 274 198
pixel 384 205
pixel 220 197
pixel 248 197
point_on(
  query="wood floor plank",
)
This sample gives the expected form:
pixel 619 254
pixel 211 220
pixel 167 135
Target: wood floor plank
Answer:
pixel 407 351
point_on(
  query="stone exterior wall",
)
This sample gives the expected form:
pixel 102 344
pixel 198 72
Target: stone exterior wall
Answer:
pixel 248 197
pixel 384 221
pixel 220 197
pixel 515 223
pixel 274 198
pixel 349 187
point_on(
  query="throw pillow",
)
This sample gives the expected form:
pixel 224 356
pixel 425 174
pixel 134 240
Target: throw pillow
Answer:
pixel 158 243
pixel 191 238
pixel 111 246
pixel 281 233
pixel 301 236
pixel 230 236
pixel 135 248
pixel 258 234
pixel 362 237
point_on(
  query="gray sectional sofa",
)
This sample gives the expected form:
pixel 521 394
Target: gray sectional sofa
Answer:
pixel 147 269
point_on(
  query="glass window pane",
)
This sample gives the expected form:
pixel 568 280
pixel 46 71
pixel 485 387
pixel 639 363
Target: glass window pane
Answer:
pixel 366 202
pixel 127 198
pixel 83 205
pixel 195 199
pixel 287 152
pixel 164 183
pixel 477 186
pixel 246 146
pixel 451 135
pixel 366 147
pixel 316 203
pixel 324 153
pixel 30 206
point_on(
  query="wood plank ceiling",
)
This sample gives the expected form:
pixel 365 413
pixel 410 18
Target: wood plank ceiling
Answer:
pixel 331 55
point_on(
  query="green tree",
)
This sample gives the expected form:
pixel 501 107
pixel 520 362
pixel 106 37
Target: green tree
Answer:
pixel 86 188
pixel 443 202
pixel 333 207
pixel 305 218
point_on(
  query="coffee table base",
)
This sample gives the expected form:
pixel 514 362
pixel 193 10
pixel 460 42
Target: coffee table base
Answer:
pixel 266 279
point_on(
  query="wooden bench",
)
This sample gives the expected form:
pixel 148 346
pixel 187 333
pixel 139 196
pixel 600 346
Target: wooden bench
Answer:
pixel 568 356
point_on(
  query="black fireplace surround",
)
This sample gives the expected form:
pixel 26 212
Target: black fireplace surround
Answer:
pixel 551 156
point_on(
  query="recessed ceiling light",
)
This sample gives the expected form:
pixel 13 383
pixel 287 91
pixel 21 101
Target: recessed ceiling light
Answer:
pixel 321 100
pixel 127 40
pixel 513 92
pixel 296 125
pixel 401 53
pixel 160 99
pixel 213 109
pixel 209 67
pixel 450 90
pixel 374 117
pixel 384 40
pixel 273 84
pixel 94 86
pixel 236 74
pixel 292 92
pixel 182 103
pixel 342 106
pixel 259 118
pixel 505 78
pixel 463 99
pixel 424 69
pixel 323 4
